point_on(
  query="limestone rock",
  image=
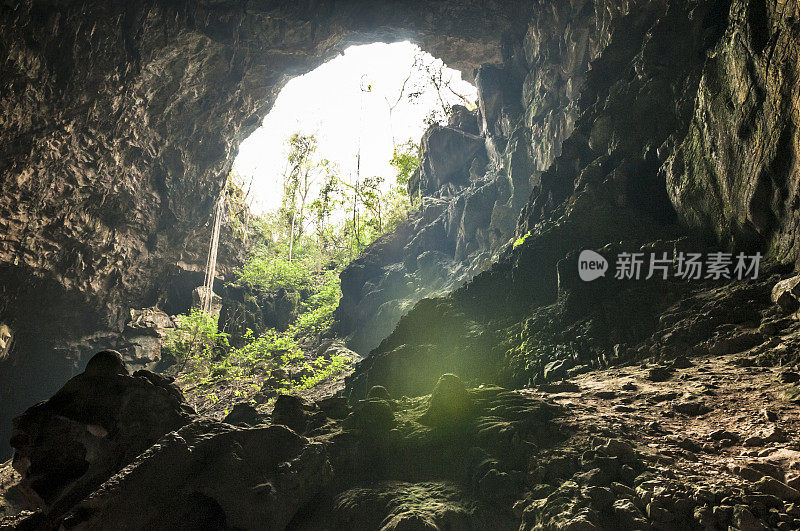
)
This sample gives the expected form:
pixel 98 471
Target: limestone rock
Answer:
pixel 447 154
pixel 293 412
pixel 210 475
pixel 199 293
pixel 786 294
pixel 244 308
pixel 96 424
pixel 371 416
pixel 450 403
pixel 772 486
pixel 143 337
pixel 243 414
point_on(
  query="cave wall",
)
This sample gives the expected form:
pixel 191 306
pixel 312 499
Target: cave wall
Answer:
pixel 682 136
pixel 527 107
pixel 120 121
pixel 735 174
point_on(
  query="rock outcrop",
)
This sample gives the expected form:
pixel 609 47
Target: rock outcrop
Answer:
pixel 212 476
pixel 317 465
pixel 244 309
pixel 735 173
pixel 95 425
pixel 604 448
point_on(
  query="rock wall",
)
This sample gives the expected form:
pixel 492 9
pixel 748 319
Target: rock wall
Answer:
pixel 655 148
pixel 120 123
pixel 735 174
pixel 476 178
pixel 601 120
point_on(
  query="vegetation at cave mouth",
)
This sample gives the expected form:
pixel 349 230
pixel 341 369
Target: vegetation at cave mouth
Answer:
pixel 297 251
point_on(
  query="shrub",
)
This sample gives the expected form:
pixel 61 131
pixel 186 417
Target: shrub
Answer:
pixel 322 369
pixel 317 314
pixel 271 273
pixel 268 346
pixel 196 336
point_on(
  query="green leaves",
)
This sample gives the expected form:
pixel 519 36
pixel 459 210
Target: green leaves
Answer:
pixel 196 336
pixel 519 241
pixel 405 160
pixel 267 272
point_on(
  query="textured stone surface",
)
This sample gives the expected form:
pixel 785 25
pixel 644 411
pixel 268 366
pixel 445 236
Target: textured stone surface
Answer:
pixel 786 294
pixel 244 309
pixel 379 462
pixel 447 154
pixel 735 174
pixel 212 476
pixel 610 177
pixel 91 428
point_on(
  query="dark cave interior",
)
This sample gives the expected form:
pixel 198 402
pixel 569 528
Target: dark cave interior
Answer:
pixel 497 389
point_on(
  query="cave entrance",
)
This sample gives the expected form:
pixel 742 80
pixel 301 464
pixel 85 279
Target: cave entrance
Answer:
pixel 326 175
pixel 360 106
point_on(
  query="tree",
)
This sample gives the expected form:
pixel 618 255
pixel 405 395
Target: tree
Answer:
pixel 405 161
pixel 324 220
pixel 372 198
pixel 297 182
pixel 327 202
pixel 426 73
pixel 431 73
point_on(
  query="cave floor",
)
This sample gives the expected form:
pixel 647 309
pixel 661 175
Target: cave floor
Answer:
pixel 708 440
pixel 717 426
pixel 746 403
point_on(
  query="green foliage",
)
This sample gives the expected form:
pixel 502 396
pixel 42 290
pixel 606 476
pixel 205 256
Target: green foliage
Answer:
pixel 267 272
pixel 405 161
pixel 268 346
pixel 322 369
pixel 195 336
pixel 519 241
pixel 317 316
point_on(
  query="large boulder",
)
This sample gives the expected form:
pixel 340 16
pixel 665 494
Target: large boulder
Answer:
pixel 211 475
pixel 96 424
pixel 786 294
pixel 244 309
pixel 463 119
pixel 447 154
pixel 450 403
pixel 143 336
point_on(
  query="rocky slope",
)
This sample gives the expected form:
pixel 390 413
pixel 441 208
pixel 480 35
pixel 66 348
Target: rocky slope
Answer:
pixel 706 440
pixel 614 186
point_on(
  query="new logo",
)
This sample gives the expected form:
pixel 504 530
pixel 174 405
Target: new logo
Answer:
pixel 591 265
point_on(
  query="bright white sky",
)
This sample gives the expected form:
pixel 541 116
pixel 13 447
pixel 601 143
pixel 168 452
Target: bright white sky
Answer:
pixel 329 103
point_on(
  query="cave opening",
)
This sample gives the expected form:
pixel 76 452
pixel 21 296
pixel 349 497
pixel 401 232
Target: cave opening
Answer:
pixel 330 171
pixel 359 106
